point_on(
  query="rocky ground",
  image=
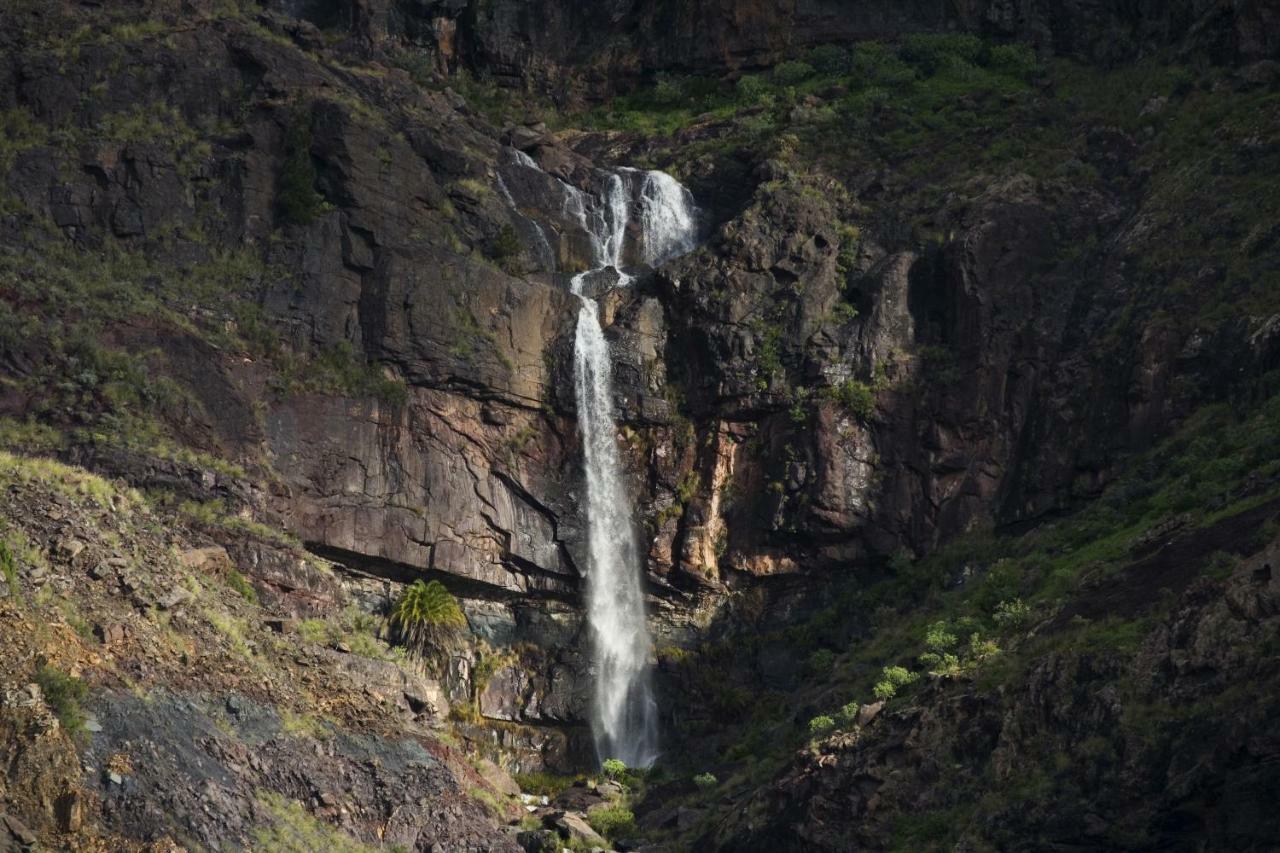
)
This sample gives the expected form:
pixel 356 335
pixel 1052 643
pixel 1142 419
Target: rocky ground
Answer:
pixel 207 718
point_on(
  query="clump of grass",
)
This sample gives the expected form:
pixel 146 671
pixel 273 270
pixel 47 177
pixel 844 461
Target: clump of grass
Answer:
pixel 64 693
pixel 613 821
pixel 293 830
pixel 9 567
pixel 73 482
pixel 544 784
pixel 426 616
pixel 240 584
pixel 299 201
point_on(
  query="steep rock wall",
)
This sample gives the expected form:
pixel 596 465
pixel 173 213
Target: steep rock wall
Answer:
pixel 601 45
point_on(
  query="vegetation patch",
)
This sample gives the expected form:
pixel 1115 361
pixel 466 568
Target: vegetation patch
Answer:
pixel 63 693
pixel 426 617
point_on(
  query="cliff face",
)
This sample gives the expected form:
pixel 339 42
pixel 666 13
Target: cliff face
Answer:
pixel 575 48
pixel 271 268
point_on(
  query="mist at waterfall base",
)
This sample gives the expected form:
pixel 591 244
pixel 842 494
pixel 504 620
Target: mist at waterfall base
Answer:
pixel 625 713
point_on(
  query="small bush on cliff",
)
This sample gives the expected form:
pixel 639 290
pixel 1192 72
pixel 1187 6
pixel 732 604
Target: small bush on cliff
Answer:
pixel 821 661
pixel 1011 614
pixel 506 249
pixel 705 781
pixel 426 616
pixel 612 821
pixel 1016 60
pixel 9 567
pixel 938 638
pixel 240 584
pixel 932 52
pixel 751 88
pixel 64 693
pixel 299 201
pixel 613 767
pixel 857 397
pixel 666 91
pixel 790 73
pixel 829 59
pixel 544 784
pixel 891 679
pixel 821 725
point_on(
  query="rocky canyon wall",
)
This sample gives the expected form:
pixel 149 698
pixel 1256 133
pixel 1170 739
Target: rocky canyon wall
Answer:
pixel 796 401
pixel 575 48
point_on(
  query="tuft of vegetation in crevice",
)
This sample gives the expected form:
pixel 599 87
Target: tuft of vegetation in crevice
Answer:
pixel 299 201
pixel 426 617
pixel 63 693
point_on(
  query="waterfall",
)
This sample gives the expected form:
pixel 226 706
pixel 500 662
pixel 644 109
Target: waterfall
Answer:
pixel 666 218
pixel 625 713
pixel 546 254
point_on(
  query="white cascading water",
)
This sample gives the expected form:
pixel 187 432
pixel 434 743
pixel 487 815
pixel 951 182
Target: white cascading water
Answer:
pixel 625 719
pixel 626 714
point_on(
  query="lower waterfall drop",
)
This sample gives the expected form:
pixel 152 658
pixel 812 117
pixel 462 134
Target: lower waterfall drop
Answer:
pixel 626 713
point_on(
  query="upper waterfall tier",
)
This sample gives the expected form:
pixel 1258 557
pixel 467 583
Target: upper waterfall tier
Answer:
pixel 622 219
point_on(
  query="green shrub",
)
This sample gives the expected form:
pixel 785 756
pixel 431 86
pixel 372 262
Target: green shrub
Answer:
pixel 829 59
pixel 9 567
pixel 941 664
pixel 1015 60
pixel 751 88
pixel 792 72
pixel 932 52
pixel 240 584
pixel 849 713
pixel 892 678
pixel 687 487
pixel 427 615
pixel 613 821
pixel 299 201
pixel 64 694
pixel 857 397
pixel 937 638
pixel 705 781
pixel 613 767
pixel 821 661
pixel 318 631
pixel 666 91
pixel 506 247
pixel 877 64
pixel 1011 614
pixel 980 649
pixel 542 783
pixel 821 725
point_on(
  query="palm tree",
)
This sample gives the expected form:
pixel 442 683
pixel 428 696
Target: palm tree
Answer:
pixel 426 616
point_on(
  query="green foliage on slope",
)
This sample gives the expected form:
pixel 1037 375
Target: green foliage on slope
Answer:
pixel 426 616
